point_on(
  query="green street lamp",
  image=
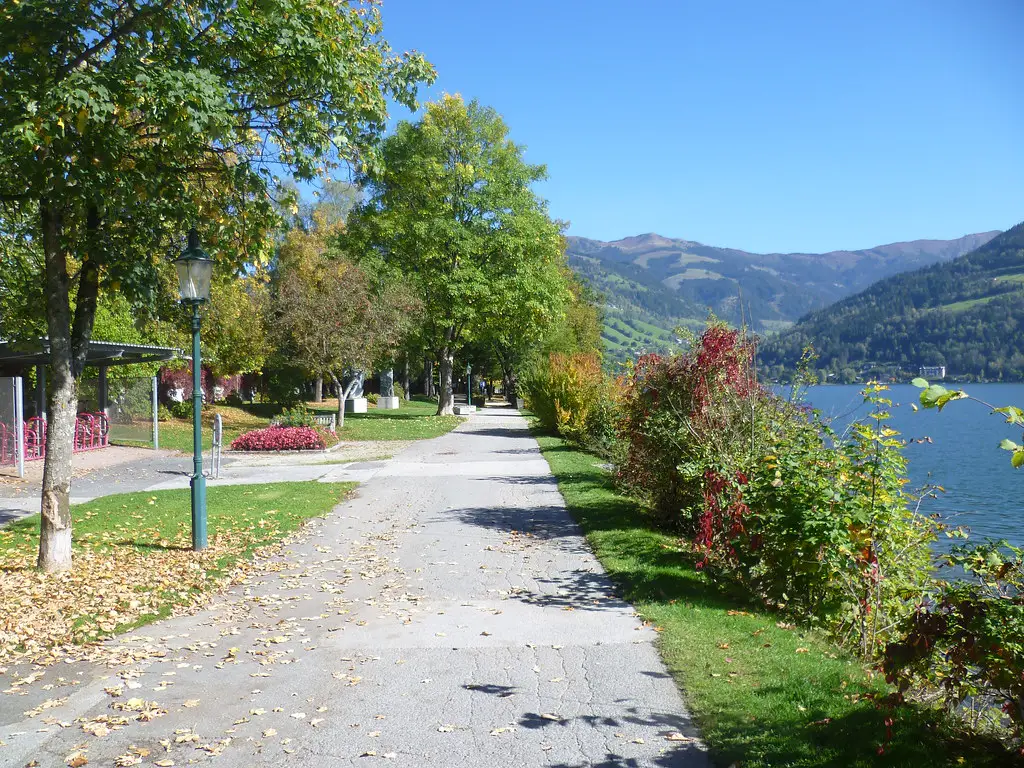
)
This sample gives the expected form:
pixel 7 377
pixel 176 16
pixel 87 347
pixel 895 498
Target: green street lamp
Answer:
pixel 195 268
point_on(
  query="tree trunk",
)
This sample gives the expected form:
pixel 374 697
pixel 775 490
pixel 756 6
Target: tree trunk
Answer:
pixel 428 376
pixel 405 377
pixel 318 389
pixel 445 397
pixel 509 384
pixel 68 346
pixel 341 400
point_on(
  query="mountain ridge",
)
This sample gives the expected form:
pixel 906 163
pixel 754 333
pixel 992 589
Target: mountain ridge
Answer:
pixel 966 314
pixel 653 280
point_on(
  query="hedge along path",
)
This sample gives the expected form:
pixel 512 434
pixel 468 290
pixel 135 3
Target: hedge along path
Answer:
pixel 764 692
pixel 133 562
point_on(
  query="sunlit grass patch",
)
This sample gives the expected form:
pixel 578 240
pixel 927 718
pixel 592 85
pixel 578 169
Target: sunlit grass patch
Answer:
pixel 414 420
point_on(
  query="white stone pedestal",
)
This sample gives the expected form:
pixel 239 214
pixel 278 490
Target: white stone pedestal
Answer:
pixel 464 410
pixel 520 403
pixel 388 403
pixel 355 405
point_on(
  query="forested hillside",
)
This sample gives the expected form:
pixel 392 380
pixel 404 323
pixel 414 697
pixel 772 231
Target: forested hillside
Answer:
pixel 768 291
pixel 654 284
pixel 966 314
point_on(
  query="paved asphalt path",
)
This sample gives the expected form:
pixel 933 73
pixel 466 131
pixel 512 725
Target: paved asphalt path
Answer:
pixel 449 614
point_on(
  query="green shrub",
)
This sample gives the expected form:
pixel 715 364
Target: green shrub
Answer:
pixel 684 416
pixel 285 383
pixel 234 399
pixel 570 396
pixel 297 416
pixel 399 391
pixel 966 641
pixel 772 501
pixel 163 413
pixel 372 398
pixel 182 410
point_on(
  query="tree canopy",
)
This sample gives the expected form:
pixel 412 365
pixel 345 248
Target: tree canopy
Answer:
pixel 123 124
pixel 453 209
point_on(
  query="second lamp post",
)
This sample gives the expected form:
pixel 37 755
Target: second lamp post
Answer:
pixel 195 268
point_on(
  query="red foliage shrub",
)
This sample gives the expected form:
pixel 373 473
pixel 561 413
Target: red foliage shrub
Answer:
pixel 685 417
pixel 181 378
pixel 279 439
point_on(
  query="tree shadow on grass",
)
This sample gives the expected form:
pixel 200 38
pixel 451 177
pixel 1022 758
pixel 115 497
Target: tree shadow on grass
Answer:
pixel 150 546
pixel 919 738
pixel 262 410
pixel 387 415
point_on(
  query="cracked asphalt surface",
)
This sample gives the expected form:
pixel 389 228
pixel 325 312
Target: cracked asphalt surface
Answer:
pixel 449 614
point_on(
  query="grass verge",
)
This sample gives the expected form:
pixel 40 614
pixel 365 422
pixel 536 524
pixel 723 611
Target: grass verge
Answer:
pixel 414 420
pixel 763 692
pixel 176 434
pixel 133 561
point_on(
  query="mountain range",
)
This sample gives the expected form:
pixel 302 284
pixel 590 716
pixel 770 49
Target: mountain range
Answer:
pixel 653 284
pixel 964 315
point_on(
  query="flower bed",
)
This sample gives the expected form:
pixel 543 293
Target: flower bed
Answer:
pixel 280 439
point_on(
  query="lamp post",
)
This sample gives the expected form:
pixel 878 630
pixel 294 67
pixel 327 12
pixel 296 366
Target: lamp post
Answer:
pixel 195 268
pixel 469 383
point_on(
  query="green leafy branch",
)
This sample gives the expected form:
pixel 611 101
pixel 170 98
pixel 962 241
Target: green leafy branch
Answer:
pixel 936 396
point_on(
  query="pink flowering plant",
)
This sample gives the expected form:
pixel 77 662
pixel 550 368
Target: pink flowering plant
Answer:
pixel 280 439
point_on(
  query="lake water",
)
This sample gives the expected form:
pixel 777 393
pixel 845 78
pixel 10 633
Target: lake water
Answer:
pixel 983 492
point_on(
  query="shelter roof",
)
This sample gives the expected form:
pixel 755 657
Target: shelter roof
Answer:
pixel 22 354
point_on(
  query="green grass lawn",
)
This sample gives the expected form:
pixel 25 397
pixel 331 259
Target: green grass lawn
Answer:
pixel 764 692
pixel 132 558
pixel 175 435
pixel 414 420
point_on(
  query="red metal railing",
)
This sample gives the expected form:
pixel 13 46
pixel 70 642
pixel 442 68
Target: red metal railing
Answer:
pixel 92 431
pixel 8 449
pixel 35 438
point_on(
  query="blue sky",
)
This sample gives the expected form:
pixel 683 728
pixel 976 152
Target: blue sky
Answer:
pixel 789 126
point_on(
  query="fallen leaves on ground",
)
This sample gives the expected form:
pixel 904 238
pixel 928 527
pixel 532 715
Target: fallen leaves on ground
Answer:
pixel 119 579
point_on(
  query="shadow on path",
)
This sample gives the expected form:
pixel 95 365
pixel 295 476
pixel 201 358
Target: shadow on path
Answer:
pixel 542 522
pixel 681 753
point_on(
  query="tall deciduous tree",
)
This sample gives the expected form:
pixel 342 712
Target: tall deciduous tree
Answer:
pixel 453 209
pixel 123 123
pixel 328 311
pixel 529 312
